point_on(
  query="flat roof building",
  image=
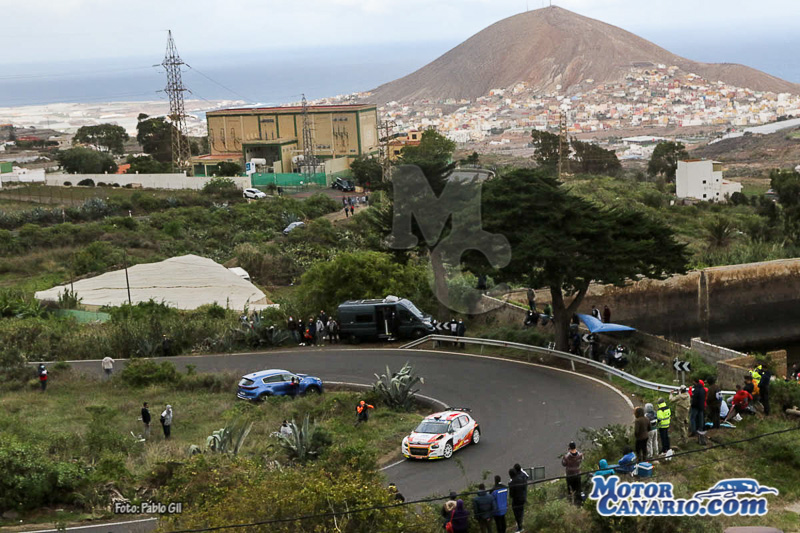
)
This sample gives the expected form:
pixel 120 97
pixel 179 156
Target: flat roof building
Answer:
pixel 275 134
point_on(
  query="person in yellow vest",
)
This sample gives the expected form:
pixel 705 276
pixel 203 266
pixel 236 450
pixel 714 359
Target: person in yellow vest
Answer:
pixel 663 415
pixel 682 403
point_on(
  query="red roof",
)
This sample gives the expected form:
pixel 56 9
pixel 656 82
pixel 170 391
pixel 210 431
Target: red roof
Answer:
pixel 219 157
pixel 123 169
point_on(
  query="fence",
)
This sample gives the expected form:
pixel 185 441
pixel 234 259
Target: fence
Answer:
pixel 609 370
pixel 262 179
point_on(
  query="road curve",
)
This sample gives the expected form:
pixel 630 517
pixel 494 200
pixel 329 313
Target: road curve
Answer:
pixel 528 413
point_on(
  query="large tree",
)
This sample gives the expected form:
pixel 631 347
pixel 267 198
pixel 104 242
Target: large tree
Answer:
pixel 564 242
pixel 546 149
pixel 665 159
pixel 85 161
pixel 367 171
pixel 109 136
pixel 592 159
pixel 155 136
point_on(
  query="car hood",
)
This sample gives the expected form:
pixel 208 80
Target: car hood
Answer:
pixel 304 377
pixel 424 438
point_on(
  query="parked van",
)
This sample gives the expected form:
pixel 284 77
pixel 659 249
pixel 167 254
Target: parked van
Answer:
pixel 387 319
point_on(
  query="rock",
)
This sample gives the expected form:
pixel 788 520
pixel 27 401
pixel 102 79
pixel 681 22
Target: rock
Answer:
pixel 11 515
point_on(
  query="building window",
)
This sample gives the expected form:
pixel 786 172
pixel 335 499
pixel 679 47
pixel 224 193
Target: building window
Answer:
pixel 704 182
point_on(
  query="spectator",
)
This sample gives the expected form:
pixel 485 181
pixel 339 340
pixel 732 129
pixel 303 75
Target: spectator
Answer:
pixel 43 377
pixel 532 300
pixel 548 312
pixel 362 412
pixel 749 386
pixel 108 366
pixel 519 471
pixel 460 518
pixel 145 420
pixel 346 212
pixel 294 329
pixel 763 385
pixel 483 507
pixel 723 409
pixel 518 490
pixel 352 210
pixel 320 329
pixel 166 421
pixel 682 403
pixel 713 401
pixel 627 464
pixel 698 405
pixel 397 496
pixel 461 330
pixel 603 469
pixel 333 331
pixel 449 506
pixel 572 461
pixel 310 333
pixel 500 495
pixel 606 314
pixel 641 433
pixel 652 435
pixel 286 429
pixel 596 313
pixel 740 404
pixel 664 415
pixel 323 316
pixel 531 318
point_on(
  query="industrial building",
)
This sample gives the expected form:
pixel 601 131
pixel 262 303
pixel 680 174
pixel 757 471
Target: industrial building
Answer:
pixel 275 134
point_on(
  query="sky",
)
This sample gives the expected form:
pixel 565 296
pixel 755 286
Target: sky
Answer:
pixel 36 31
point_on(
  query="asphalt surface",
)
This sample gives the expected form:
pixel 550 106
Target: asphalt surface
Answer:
pixel 527 413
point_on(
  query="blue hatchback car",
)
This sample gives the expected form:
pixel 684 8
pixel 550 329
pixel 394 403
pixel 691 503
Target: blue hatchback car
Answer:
pixel 276 382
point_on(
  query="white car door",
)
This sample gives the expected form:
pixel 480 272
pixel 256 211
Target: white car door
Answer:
pixel 463 431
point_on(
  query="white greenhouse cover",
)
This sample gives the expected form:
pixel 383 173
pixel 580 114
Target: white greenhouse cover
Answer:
pixel 185 282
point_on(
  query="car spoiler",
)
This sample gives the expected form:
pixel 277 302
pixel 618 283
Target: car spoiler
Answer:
pixel 463 409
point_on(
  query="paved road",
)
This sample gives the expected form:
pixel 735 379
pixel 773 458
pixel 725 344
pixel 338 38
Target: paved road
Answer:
pixel 527 413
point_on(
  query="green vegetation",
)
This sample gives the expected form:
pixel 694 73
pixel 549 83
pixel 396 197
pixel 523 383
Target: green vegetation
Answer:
pixel 86 161
pixel 108 136
pixel 396 389
pixel 664 160
pixel 72 447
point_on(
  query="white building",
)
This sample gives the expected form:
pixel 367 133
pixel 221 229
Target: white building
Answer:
pixel 702 179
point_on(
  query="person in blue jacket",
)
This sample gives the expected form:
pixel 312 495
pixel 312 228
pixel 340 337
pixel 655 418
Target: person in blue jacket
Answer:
pixel 604 469
pixel 628 461
pixel 500 495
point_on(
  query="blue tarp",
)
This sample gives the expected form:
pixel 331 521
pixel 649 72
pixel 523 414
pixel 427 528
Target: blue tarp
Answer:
pixel 597 326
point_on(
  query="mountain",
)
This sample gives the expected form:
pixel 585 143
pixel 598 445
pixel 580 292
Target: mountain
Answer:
pixel 549 47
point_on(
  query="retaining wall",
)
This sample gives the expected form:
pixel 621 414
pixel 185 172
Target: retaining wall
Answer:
pixel 732 372
pixel 146 181
pixel 711 353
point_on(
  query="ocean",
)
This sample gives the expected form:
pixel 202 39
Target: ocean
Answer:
pixel 275 77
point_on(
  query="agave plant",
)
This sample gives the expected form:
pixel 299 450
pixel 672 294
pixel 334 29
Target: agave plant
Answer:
pixel 397 389
pixel 305 442
pixel 226 440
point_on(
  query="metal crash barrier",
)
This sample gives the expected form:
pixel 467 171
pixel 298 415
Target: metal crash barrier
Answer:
pixel 538 350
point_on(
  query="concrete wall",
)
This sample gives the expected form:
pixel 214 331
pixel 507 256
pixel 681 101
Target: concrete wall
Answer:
pixel 147 181
pixel 711 353
pixel 737 305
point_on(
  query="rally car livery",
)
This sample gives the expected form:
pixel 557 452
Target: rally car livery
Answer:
pixel 440 434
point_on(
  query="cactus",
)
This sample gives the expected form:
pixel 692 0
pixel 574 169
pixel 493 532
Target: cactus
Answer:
pixel 305 442
pixel 229 439
pixel 397 389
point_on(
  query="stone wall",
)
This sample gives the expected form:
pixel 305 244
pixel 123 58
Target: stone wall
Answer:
pixel 711 353
pixel 147 181
pixel 732 371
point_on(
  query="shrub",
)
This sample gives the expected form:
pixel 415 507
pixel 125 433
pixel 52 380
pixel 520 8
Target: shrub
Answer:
pixel 222 187
pixel 86 182
pixel 319 204
pixel 97 257
pixel 305 442
pixel 67 184
pixel 785 393
pixel 144 372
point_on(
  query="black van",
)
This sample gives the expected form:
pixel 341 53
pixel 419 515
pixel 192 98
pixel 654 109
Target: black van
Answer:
pixel 390 318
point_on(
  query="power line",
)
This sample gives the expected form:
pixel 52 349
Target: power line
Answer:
pixel 212 80
pixel 468 493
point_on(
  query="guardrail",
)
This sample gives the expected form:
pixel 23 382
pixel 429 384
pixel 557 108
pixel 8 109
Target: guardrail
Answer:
pixel 610 370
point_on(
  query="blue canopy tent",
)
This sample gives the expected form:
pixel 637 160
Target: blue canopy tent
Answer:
pixel 597 326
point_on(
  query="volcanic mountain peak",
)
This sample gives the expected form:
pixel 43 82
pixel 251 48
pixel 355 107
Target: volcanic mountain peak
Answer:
pixel 549 47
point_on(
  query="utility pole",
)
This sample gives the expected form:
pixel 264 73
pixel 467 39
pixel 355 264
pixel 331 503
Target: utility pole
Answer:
pixel 384 136
pixel 562 141
pixel 309 159
pixel 127 281
pixel 181 152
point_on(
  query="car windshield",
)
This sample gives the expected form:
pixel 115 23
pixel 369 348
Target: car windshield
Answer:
pixel 432 426
pixel 245 382
pixel 411 307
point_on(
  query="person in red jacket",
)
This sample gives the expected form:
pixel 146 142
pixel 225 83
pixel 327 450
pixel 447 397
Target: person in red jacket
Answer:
pixel 740 403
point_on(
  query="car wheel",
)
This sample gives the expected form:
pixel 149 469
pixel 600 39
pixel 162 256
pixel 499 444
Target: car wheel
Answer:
pixel 418 334
pixel 448 450
pixel 354 339
pixel 264 396
pixel 476 436
pixel 312 390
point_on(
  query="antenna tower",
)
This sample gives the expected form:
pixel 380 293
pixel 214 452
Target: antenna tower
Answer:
pixel 177 113
pixel 562 140
pixel 384 136
pixel 309 159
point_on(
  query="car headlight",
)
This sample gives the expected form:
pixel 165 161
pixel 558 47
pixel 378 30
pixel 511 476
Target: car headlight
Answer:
pixel 435 446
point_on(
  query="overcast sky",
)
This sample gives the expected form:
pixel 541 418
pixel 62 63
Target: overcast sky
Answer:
pixel 58 30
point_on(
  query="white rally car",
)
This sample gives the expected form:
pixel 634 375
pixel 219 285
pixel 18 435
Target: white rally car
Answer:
pixel 440 434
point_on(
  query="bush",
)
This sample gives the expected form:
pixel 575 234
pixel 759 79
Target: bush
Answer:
pixel 144 372
pixel 86 182
pixel 67 184
pixel 97 257
pixel 319 204
pixel 223 187
pixel 785 393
